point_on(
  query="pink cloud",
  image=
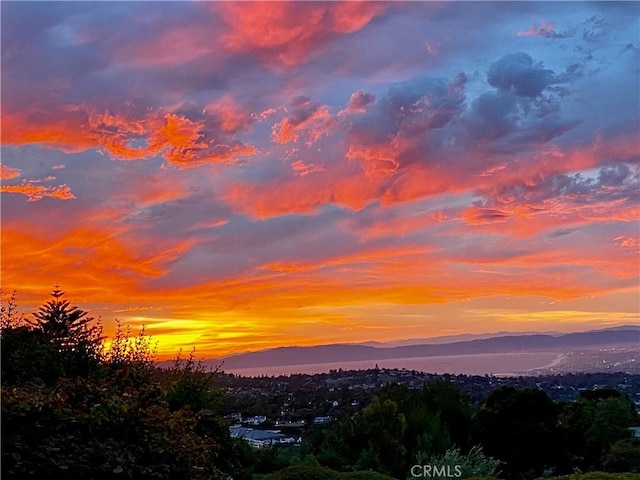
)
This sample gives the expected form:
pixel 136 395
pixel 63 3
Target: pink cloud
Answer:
pixel 359 101
pixel 229 115
pixel 307 120
pixel 627 242
pixel 176 46
pixel 285 34
pixel 300 168
pixel 546 29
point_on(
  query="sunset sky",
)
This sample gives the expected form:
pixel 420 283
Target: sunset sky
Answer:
pixel 238 176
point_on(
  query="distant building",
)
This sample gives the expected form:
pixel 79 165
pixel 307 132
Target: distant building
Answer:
pixel 288 419
pixel 236 417
pixel 322 420
pixel 259 438
pixel 257 420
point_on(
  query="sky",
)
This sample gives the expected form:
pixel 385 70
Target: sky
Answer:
pixel 238 176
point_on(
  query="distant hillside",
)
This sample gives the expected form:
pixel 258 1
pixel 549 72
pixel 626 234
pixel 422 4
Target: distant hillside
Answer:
pixel 464 337
pixel 503 344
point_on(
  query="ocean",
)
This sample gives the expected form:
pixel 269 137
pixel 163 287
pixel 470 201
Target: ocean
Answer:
pixel 499 364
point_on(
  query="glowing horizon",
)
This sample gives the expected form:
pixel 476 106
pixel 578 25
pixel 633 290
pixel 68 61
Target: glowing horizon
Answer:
pixel 247 175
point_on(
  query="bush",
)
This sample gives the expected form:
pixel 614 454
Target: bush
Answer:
pixel 597 476
pixel 473 464
pixel 28 354
pixel 88 429
pixel 322 473
pixel 73 409
pixel 623 456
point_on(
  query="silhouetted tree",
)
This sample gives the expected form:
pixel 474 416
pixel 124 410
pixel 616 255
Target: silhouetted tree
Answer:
pixel 518 427
pixel 76 336
pixel 9 316
pixel 592 424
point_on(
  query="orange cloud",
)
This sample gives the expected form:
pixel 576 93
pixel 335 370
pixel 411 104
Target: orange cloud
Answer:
pixel 38 192
pixel 7 172
pixel 107 274
pixel 96 266
pixel 341 185
pixel 377 159
pixel 76 128
pixel 65 128
pixel 300 168
pixel 310 121
pixel 289 33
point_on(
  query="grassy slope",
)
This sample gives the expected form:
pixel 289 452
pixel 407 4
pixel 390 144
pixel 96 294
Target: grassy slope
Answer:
pixel 321 473
pixel 598 476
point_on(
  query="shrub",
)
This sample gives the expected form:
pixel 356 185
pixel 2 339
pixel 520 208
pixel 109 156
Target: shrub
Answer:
pixel 473 464
pixel 83 428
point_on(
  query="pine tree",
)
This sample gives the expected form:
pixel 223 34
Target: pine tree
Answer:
pixel 71 330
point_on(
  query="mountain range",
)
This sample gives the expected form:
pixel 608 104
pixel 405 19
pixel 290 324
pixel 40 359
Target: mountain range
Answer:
pixel 501 342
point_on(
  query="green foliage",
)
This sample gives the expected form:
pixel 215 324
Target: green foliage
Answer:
pixel 73 409
pixel 28 354
pixel 129 360
pixel 61 341
pixel 189 384
pixel 125 349
pixel 69 328
pixel 472 465
pixel 322 473
pixel 623 456
pixel 383 428
pixel 592 425
pixel 611 420
pixel 518 427
pixel 385 435
pixel 9 315
pixel 596 476
pixel 84 428
pixel 76 337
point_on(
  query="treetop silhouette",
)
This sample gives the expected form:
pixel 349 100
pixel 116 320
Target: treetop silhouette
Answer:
pixel 66 325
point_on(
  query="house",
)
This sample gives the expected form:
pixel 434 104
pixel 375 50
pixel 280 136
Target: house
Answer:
pixel 257 420
pixel 235 417
pixel 322 420
pixel 287 419
pixel 258 438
